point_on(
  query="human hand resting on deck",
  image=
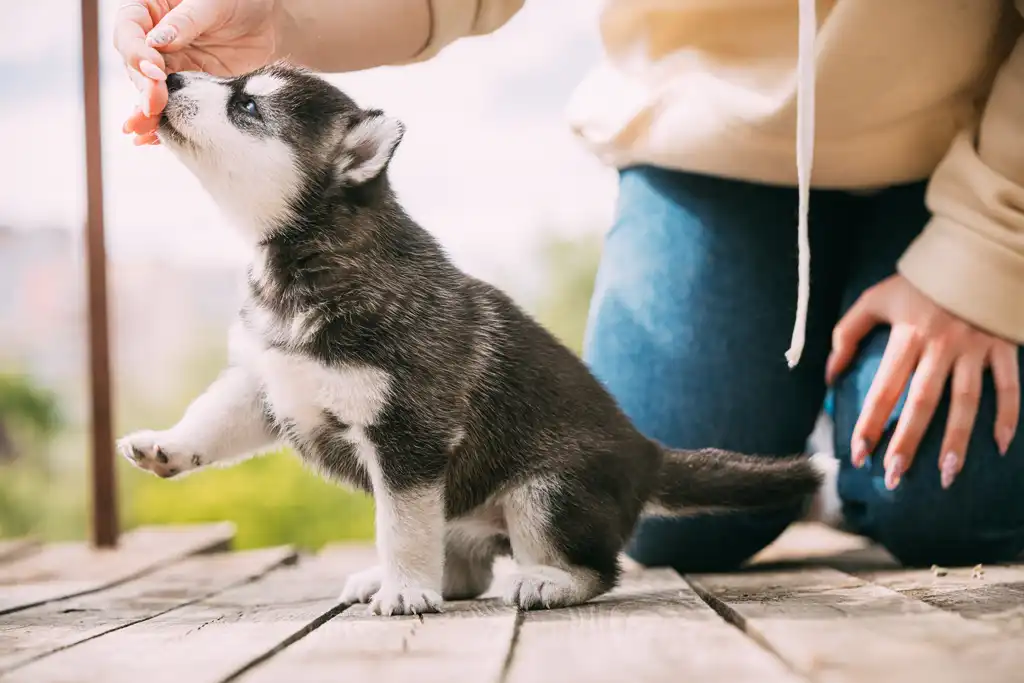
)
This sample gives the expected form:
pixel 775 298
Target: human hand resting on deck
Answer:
pixel 929 343
pixel 158 37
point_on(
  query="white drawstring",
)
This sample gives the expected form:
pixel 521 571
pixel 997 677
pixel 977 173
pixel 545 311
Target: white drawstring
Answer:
pixel 804 161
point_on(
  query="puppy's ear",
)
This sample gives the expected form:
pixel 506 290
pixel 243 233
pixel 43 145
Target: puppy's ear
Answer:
pixel 367 147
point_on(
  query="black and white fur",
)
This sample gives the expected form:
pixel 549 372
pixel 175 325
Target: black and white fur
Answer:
pixel 366 350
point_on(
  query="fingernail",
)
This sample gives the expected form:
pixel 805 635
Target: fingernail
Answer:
pixel 151 70
pixel 861 449
pixel 161 35
pixel 949 468
pixel 1003 438
pixel 144 103
pixel 894 472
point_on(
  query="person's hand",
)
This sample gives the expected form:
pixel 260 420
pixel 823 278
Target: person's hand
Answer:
pixel 930 344
pixel 158 37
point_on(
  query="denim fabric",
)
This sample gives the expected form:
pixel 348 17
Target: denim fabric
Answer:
pixel 691 317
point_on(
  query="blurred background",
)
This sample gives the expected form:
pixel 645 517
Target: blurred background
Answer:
pixel 487 165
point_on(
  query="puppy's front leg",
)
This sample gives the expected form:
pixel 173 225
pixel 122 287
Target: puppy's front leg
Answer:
pixel 226 422
pixel 410 542
pixel 410 545
pixel 406 466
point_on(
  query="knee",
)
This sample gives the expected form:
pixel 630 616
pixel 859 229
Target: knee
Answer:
pixel 706 544
pixel 979 519
pixel 921 524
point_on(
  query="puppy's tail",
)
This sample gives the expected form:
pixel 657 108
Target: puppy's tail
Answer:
pixel 712 480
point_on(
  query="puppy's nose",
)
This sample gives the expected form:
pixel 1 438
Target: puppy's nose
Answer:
pixel 174 82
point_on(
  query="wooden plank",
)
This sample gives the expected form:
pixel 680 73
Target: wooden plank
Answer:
pixel 832 626
pixel 469 642
pixel 16 548
pixel 995 595
pixel 809 543
pixel 64 570
pixel 32 634
pixel 653 628
pixel 212 639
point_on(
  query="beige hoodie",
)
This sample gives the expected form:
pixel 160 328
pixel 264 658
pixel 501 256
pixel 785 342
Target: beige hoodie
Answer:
pixel 873 92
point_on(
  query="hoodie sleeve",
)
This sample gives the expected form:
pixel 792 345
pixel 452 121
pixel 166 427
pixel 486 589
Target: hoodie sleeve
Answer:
pixel 454 19
pixel 970 257
pixel 347 35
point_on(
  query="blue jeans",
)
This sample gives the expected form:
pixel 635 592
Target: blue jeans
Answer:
pixel 692 313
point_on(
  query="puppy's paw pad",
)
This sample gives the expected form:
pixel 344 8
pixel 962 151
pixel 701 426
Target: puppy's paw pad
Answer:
pixel 396 599
pixel 154 452
pixel 361 586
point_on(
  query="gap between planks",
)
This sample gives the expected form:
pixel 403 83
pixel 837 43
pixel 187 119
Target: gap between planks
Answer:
pixel 33 634
pixel 826 625
pixel 212 639
pixel 995 596
pixel 63 570
pixel 652 629
pixel 833 627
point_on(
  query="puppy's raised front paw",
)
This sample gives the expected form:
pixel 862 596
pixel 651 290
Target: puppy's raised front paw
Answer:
pixel 157 453
pixel 395 598
pixel 361 586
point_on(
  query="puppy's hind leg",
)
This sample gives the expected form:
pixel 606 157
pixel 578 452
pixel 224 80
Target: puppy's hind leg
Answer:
pixel 566 554
pixel 469 561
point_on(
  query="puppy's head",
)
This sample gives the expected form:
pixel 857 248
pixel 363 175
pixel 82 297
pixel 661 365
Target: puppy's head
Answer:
pixel 264 142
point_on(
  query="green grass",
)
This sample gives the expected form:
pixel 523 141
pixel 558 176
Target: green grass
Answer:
pixel 272 500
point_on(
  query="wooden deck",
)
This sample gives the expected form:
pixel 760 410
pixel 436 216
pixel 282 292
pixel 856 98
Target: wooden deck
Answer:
pixel 174 604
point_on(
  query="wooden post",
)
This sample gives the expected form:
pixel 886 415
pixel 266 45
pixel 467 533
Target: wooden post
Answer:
pixel 104 486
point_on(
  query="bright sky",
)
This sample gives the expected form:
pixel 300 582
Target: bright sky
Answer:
pixel 487 164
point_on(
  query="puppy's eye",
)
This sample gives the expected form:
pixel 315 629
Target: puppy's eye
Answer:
pixel 247 105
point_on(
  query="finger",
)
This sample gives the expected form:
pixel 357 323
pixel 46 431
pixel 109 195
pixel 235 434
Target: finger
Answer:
pixel 854 326
pixel 131 25
pixel 183 24
pixel 151 70
pixel 965 394
pixel 898 361
pixel 138 80
pixel 1006 374
pixel 923 397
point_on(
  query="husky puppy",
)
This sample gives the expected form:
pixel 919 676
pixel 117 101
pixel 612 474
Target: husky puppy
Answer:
pixel 362 347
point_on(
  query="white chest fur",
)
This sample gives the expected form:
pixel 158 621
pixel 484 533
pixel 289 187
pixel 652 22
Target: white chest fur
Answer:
pixel 300 390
